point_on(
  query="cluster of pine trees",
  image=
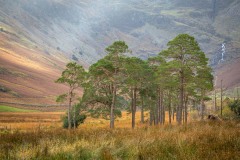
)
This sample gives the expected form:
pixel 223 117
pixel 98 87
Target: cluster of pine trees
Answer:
pixel 170 81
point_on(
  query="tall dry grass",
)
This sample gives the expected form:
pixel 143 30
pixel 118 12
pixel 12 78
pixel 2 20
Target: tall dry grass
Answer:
pixel 200 140
pixel 30 120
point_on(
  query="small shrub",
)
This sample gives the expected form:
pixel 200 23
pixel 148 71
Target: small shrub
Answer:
pixel 227 113
pixel 235 107
pixel 79 119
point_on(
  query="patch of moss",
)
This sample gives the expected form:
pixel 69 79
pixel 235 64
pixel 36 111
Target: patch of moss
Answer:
pixel 12 109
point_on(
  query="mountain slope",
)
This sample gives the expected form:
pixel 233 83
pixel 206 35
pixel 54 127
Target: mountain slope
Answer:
pixel 37 38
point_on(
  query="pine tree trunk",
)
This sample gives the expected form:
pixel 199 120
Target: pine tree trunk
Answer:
pixel 154 117
pixel 180 106
pixel 185 109
pixel 113 106
pixel 169 108
pixel 160 106
pixel 186 113
pixel 134 97
pixel 74 117
pixel 69 109
pixel 157 115
pixel 202 108
pixel 237 94
pixel 183 115
pixel 215 101
pixel 151 117
pixel 170 115
pixel 163 114
pixel 178 115
pixel 162 109
pixel 69 115
pixel 173 114
pixel 142 111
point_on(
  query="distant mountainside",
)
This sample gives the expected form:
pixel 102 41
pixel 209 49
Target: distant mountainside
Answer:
pixel 38 37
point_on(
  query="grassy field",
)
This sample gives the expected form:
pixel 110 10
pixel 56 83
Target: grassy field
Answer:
pixel 25 121
pixel 40 136
pixel 195 141
pixel 12 109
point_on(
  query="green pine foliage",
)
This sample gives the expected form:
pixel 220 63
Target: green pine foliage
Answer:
pixel 74 77
pixel 169 81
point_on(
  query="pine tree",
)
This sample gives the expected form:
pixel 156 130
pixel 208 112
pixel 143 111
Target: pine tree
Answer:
pixel 135 71
pixel 185 58
pixel 73 76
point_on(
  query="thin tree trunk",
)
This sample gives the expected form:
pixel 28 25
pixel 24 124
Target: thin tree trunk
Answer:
pixel 134 107
pixel 180 106
pixel 113 106
pixel 154 117
pixel 185 108
pixel 183 115
pixel 69 109
pixel 173 114
pixel 142 111
pixel 159 106
pixel 156 114
pixel 169 115
pixel 215 101
pixel 74 117
pixel 163 114
pixel 169 108
pixel 69 115
pixel 203 108
pixel 151 117
pixel 237 94
pixel 163 108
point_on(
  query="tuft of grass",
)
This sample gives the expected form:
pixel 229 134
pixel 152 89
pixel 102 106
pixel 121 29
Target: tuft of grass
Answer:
pixel 12 109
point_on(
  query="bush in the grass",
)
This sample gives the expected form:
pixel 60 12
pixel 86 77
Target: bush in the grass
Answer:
pixel 79 119
pixel 235 107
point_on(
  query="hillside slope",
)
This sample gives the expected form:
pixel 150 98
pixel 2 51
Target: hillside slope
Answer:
pixel 37 38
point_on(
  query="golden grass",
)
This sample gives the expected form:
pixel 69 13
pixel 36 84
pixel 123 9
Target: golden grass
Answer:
pixel 31 121
pixel 195 141
pixel 41 137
